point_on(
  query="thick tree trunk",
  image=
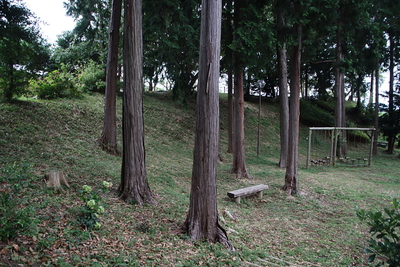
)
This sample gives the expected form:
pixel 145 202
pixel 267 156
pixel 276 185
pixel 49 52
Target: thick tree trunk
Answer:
pixel 340 116
pixel 283 89
pixel 239 159
pixel 108 137
pixel 291 186
pixel 134 185
pixel 202 219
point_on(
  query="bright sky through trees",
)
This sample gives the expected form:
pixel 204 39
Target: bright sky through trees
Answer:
pixel 52 16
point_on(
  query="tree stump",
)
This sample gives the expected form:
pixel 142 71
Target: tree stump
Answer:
pixel 56 179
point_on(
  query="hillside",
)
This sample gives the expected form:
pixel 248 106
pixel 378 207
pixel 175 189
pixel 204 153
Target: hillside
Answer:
pixel 319 228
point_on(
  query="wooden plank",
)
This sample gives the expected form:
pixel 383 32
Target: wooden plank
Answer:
pixel 247 191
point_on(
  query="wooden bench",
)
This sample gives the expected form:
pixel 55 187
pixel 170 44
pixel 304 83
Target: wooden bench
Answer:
pixel 256 189
pixel 382 144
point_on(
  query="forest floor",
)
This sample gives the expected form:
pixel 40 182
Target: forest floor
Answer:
pixel 317 228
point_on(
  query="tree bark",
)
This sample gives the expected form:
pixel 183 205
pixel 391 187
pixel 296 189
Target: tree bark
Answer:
pixel 239 159
pixel 56 179
pixel 134 185
pixel 340 116
pixel 229 55
pixel 391 136
pixel 283 89
pixel 202 219
pixel 291 186
pixel 376 111
pixel 108 138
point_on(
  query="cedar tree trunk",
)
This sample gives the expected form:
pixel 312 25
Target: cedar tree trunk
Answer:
pixel 108 138
pixel 376 110
pixel 291 186
pixel 339 93
pixel 134 185
pixel 202 219
pixel 283 89
pixel 239 159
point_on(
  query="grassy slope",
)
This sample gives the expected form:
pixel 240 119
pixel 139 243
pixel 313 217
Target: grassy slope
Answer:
pixel 317 229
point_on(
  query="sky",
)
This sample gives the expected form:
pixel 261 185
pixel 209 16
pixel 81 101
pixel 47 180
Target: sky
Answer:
pixel 52 15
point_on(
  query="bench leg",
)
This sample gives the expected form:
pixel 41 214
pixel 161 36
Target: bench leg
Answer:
pixel 260 194
pixel 237 200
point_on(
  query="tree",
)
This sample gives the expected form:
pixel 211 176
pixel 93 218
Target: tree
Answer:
pixel 202 219
pixel 134 185
pixel 239 159
pixel 283 88
pixel 291 186
pixel 108 137
pixel 23 51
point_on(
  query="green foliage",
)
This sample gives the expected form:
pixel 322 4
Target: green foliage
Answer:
pixel 312 115
pixel 92 78
pixel 92 208
pixel 57 84
pixel 15 217
pixel 23 51
pixel 385 240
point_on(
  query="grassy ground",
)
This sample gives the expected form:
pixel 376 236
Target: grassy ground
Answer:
pixel 319 228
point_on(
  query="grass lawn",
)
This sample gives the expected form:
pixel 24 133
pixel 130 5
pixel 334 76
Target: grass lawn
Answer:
pixel 318 228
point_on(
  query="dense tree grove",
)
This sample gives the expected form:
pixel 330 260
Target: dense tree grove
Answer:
pixel 329 52
pixel 23 52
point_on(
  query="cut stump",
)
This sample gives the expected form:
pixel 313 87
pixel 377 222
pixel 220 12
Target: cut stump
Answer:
pixel 56 179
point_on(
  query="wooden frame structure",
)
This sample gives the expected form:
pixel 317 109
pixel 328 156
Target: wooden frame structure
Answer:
pixel 335 133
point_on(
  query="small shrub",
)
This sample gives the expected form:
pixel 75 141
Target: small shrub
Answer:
pixel 57 84
pixel 385 240
pixel 92 208
pixel 92 78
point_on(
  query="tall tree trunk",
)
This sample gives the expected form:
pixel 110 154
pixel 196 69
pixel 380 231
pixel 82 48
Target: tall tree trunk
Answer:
pixel 340 116
pixel 291 186
pixel 108 137
pixel 376 111
pixel 229 55
pixel 283 88
pixel 134 185
pixel 202 219
pixel 391 137
pixel 230 110
pixel 239 159
pixel 371 89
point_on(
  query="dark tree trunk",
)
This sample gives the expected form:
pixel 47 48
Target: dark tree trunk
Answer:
pixel 134 185
pixel 391 137
pixel 283 89
pixel 229 63
pixel 108 137
pixel 202 219
pixel 230 111
pixel 376 110
pixel 340 120
pixel 239 159
pixel 291 186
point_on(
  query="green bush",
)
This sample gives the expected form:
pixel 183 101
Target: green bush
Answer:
pixel 92 78
pixel 92 208
pixel 57 84
pixel 312 115
pixel 385 232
